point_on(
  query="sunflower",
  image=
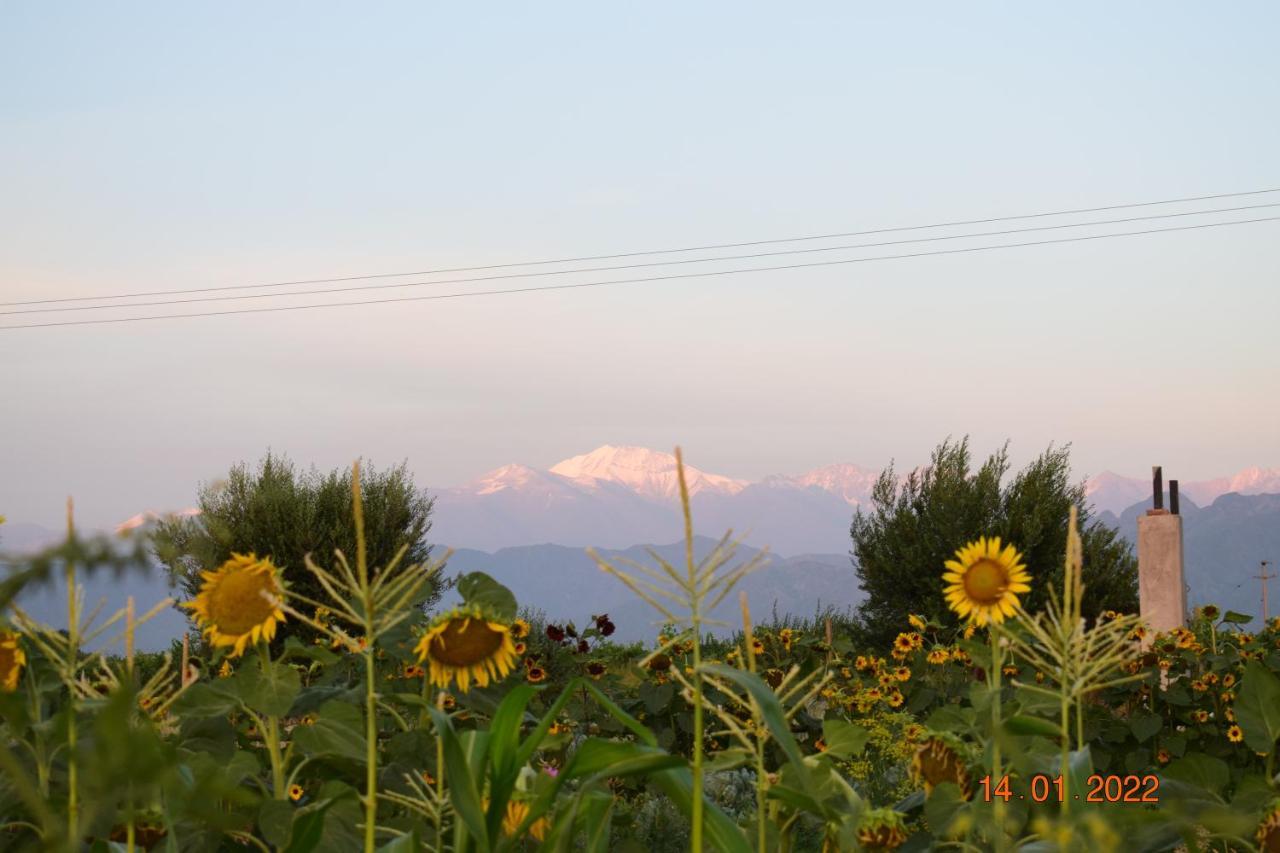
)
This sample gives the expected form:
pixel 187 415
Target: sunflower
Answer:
pixel 296 792
pixel 757 647
pixel 536 675
pixel 984 581
pixel 902 673
pixel 235 605
pixel 12 660
pixel 916 622
pixel 1268 834
pixel 519 629
pixel 517 811
pixel 938 761
pixel 895 698
pixel 596 670
pixel 465 645
pixel 1235 734
pixel 881 829
pixel 938 657
pixel 1162 756
pixel 786 637
pixel 903 643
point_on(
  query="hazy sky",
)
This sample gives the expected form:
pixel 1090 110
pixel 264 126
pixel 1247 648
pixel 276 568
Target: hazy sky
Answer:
pixel 165 146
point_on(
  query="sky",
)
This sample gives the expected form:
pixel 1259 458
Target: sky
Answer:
pixel 154 147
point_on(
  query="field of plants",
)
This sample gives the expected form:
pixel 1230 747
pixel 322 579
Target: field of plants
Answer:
pixel 358 719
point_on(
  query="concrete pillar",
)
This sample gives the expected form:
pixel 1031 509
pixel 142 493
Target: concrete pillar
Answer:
pixel 1162 590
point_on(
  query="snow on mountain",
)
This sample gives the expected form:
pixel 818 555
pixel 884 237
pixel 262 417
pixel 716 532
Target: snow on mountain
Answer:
pixel 851 483
pixel 616 496
pixel 649 473
pixel 1111 492
pixel 1115 493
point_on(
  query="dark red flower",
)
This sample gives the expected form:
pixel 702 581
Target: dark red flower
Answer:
pixel 583 647
pixel 555 633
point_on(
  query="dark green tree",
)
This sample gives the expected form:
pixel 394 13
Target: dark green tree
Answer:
pixel 277 511
pixel 915 524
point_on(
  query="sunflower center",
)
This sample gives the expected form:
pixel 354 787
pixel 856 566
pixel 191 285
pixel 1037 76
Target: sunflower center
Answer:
pixel 985 581
pixel 465 642
pixel 236 606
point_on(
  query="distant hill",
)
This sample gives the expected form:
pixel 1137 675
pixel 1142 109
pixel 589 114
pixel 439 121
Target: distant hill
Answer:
pixel 566 584
pixel 1222 546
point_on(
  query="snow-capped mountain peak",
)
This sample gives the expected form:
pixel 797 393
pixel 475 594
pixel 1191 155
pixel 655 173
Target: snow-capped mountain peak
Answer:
pixel 650 473
pixel 852 483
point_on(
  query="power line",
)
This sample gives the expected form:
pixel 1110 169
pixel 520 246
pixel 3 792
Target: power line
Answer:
pixel 616 268
pixel 685 249
pixel 579 285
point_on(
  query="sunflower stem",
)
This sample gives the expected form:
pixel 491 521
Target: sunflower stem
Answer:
pixel 370 681
pixel 997 664
pixel 695 623
pixel 73 652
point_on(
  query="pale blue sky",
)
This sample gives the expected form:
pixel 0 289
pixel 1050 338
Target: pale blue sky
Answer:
pixel 163 145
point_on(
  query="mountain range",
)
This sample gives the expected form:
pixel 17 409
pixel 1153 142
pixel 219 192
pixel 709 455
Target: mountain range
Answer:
pixel 616 496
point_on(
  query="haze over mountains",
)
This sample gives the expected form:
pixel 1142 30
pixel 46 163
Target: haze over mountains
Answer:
pixel 615 497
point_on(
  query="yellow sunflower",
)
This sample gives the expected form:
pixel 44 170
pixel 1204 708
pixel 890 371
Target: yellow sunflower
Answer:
pixel 984 581
pixel 1268 834
pixel 232 607
pixel 517 811
pixel 465 645
pixel 938 761
pixel 519 629
pixel 1235 734
pixel 12 660
pixel 296 792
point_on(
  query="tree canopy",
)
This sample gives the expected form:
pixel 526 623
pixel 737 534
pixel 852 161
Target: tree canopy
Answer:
pixel 274 510
pixel 915 524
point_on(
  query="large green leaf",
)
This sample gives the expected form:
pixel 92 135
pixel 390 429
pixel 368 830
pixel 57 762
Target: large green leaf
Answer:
pixel 479 588
pixel 1258 707
pixel 338 731
pixel 1144 725
pixel 204 700
pixel 1025 724
pixel 464 787
pixel 268 689
pixel 618 759
pixel 844 739
pixel 1200 770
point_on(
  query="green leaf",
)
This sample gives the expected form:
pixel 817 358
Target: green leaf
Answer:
pixel 618 759
pixel 338 731
pixel 269 692
pixel 1237 618
pixel 941 807
pixel 719 830
pixel 1023 724
pixel 1258 707
pixel 275 820
pixel 204 700
pixel 1200 770
pixel 844 739
pixel 464 786
pixel 479 588
pixel 1144 725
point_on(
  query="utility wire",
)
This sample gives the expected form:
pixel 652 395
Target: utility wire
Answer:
pixel 607 283
pixel 707 247
pixel 616 268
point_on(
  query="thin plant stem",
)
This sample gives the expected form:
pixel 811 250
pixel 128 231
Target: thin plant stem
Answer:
pixel 370 681
pixel 695 622
pixel 73 653
pixel 762 779
pixel 997 664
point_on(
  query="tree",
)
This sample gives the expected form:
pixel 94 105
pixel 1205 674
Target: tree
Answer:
pixel 915 524
pixel 279 512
